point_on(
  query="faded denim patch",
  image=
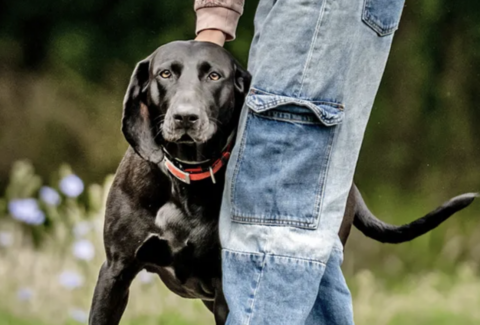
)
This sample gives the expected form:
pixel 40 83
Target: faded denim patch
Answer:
pixel 282 163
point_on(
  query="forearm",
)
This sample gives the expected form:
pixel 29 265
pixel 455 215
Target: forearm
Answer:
pixel 217 15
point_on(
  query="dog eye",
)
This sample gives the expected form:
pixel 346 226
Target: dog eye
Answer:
pixel 165 74
pixel 214 76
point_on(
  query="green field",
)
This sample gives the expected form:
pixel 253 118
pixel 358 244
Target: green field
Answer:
pixel 432 298
pixel 47 280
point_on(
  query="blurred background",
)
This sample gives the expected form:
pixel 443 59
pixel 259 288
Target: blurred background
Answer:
pixel 64 67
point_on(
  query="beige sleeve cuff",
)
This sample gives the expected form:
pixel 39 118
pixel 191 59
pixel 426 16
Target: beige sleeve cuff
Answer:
pixel 219 18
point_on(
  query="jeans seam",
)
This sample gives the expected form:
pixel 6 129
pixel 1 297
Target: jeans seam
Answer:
pixel 321 190
pixel 337 249
pixel 252 305
pixel 284 119
pixel 312 45
pixel 327 169
pixel 238 162
pixel 281 97
pixel 228 250
pixel 255 220
pixel 299 258
pixel 277 255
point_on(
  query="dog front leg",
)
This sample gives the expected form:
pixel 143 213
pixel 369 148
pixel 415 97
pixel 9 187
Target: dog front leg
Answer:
pixel 111 293
pixel 220 307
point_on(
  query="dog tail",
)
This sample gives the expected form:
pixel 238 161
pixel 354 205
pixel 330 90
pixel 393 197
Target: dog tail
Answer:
pixel 383 232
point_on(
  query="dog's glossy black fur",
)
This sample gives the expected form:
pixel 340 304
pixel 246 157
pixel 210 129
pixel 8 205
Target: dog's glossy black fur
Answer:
pixel 187 97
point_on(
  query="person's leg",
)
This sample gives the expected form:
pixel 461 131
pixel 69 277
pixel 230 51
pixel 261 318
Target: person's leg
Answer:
pixel 334 302
pixel 316 67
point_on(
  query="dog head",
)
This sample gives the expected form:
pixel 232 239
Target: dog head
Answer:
pixel 186 96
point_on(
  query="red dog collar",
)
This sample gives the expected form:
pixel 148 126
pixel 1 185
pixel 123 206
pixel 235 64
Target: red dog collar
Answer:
pixel 187 175
pixel 198 173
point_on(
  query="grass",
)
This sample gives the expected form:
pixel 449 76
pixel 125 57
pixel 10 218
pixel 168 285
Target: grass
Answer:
pixel 432 298
pixel 421 299
pixel 432 280
pixel 165 319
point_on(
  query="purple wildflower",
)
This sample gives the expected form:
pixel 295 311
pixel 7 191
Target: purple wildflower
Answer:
pixel 84 250
pixel 26 210
pixel 79 315
pixel 24 294
pixel 71 186
pixel 49 196
pixel 70 280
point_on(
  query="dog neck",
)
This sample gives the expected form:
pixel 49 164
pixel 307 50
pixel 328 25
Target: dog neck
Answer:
pixel 198 199
pixel 192 171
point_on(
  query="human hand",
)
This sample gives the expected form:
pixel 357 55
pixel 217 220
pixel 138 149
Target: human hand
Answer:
pixel 211 35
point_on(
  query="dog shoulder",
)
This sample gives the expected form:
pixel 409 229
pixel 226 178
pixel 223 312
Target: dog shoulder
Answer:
pixel 137 187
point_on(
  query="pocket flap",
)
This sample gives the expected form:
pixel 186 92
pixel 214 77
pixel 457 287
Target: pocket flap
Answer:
pixel 383 16
pixel 328 113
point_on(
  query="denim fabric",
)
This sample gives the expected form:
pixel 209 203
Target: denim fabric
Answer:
pixel 270 282
pixel 296 145
pixel 316 68
pixel 334 302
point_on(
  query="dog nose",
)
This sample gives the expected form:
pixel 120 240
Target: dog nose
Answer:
pixel 185 120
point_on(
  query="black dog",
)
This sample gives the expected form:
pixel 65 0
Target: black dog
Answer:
pixel 180 114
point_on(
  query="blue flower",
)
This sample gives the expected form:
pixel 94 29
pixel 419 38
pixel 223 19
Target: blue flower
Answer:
pixel 49 196
pixel 24 294
pixel 26 210
pixel 79 315
pixel 84 250
pixel 71 186
pixel 6 239
pixel 70 280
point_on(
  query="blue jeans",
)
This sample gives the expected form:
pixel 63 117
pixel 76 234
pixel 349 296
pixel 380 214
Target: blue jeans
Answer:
pixel 316 67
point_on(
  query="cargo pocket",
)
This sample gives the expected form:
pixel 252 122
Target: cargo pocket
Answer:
pixel 283 157
pixel 383 16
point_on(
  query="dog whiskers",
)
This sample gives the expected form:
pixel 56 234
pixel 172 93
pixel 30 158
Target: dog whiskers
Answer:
pixel 159 117
pixel 214 120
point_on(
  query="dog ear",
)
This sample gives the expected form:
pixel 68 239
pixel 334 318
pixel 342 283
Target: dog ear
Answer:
pixel 137 126
pixel 242 80
pixel 155 250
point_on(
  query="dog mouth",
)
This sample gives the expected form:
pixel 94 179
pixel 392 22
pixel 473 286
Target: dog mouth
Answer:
pixel 199 135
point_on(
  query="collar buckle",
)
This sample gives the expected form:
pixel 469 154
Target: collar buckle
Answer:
pixel 212 176
pixel 187 179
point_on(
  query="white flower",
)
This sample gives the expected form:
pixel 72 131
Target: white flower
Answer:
pixel 145 277
pixel 71 186
pixel 79 315
pixel 82 229
pixel 49 196
pixel 84 250
pixel 70 280
pixel 6 239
